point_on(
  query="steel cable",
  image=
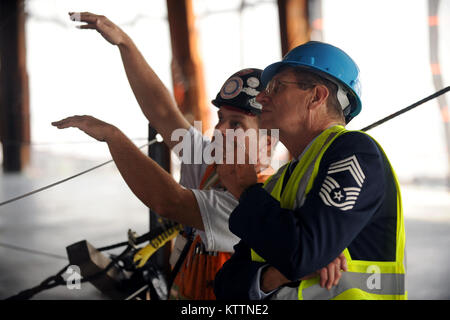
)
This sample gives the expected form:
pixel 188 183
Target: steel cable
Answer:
pixel 66 179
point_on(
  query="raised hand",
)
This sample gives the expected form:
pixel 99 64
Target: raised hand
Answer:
pixel 154 98
pixel 93 127
pixel 112 33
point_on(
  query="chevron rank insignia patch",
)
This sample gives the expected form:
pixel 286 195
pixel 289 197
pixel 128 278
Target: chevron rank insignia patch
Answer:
pixel 342 195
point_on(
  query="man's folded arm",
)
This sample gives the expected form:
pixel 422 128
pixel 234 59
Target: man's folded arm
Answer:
pixel 300 241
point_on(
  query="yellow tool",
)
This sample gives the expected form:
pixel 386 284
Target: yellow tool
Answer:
pixel 155 243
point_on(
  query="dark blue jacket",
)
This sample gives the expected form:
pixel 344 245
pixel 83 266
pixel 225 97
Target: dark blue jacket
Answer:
pixel 300 241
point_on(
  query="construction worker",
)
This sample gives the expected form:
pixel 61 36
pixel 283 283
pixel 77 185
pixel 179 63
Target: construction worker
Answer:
pixel 198 201
pixel 339 193
pixel 202 204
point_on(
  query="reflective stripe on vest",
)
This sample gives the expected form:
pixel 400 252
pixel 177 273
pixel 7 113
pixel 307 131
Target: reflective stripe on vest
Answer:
pixel 364 279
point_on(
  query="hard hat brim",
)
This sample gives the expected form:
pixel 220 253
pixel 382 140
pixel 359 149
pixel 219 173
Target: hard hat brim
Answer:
pixel 271 70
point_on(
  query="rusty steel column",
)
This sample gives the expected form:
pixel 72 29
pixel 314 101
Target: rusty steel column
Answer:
pixel 438 81
pixel 14 94
pixel 187 67
pixel 294 23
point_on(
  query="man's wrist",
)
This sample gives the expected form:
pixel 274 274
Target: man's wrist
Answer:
pixel 125 42
pixel 112 134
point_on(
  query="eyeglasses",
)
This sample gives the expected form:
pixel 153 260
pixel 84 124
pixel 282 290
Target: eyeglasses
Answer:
pixel 274 85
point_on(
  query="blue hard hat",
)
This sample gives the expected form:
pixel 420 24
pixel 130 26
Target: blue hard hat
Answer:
pixel 329 62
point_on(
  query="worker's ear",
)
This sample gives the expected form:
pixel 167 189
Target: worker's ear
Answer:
pixel 319 96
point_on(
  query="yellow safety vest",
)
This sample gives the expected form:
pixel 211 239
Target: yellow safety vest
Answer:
pixel 364 280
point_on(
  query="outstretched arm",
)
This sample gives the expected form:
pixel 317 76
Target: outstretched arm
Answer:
pixel 152 95
pixel 149 182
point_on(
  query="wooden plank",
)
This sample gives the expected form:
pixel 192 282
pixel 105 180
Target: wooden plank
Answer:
pixel 294 23
pixel 14 93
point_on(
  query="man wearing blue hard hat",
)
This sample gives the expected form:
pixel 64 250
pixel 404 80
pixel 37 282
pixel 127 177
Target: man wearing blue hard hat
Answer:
pixel 338 194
